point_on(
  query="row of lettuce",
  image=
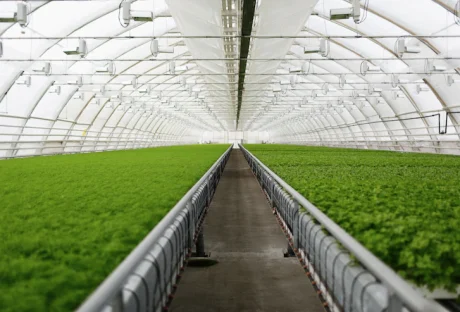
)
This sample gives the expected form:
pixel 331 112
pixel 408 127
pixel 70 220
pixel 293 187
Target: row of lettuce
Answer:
pixel 68 221
pixel 404 207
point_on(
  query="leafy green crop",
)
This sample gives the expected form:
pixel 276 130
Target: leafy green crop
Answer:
pixel 404 207
pixel 68 221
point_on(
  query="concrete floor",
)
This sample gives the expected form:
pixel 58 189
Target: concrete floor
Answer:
pixel 243 235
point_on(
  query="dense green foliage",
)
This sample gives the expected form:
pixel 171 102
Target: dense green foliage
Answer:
pixel 404 207
pixel 67 221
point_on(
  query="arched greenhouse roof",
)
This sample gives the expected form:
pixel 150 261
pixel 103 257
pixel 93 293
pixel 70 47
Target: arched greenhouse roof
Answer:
pixel 190 70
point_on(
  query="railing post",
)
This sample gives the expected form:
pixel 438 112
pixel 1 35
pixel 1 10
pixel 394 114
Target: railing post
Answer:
pixel 295 225
pixel 200 252
pixel 117 302
pixel 394 304
pixel 191 222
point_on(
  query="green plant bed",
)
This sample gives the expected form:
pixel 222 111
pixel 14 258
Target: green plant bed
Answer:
pixel 68 221
pixel 404 207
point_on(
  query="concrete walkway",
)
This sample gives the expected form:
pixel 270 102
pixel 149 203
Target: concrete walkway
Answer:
pixel 243 235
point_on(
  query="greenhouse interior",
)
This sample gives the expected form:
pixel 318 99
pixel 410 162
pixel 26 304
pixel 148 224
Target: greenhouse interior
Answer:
pixel 230 155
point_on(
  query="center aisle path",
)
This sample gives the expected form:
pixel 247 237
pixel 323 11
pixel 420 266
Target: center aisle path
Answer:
pixel 242 234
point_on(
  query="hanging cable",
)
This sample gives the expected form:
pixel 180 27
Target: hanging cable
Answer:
pixel 365 9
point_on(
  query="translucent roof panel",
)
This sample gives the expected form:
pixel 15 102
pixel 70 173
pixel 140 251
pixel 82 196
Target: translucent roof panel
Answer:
pixel 388 78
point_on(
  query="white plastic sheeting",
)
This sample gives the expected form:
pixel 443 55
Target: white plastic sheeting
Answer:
pixel 141 105
pixel 351 115
pixel 409 104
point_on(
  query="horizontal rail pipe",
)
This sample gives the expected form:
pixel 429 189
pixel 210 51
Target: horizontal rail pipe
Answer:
pixel 400 293
pixel 157 250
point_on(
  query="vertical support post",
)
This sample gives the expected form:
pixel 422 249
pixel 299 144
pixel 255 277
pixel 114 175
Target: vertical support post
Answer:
pixel 117 302
pixel 395 304
pixel 200 244
pixel 295 224
pixel 191 222
pixel 290 252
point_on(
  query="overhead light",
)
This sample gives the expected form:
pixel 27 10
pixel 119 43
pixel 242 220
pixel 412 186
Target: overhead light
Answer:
pixel 45 68
pixel 78 82
pixel 142 16
pixel 132 82
pixel 20 16
pixel 55 89
pixel 322 49
pixel 145 90
pixel 96 102
pixel 368 67
pixel 100 89
pixel 313 94
pixel 155 48
pixel 127 100
pixel 402 47
pixel 79 96
pixel 81 50
pixel 371 90
pixel 422 88
pixel 293 81
pixel 26 81
pixel 451 80
pixel 166 49
pixel 394 81
pixel 182 68
pixel 117 97
pixel 276 88
pixel 8 17
pixel 172 68
pixel 396 95
pixel 109 68
pixel 342 81
pixel 296 69
pixel 138 16
pixel 438 68
pixel 345 102
pixel 346 13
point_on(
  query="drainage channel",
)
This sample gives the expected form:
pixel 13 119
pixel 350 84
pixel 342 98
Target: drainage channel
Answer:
pixel 246 270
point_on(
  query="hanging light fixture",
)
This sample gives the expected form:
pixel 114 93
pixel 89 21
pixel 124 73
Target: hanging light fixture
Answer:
pixel 346 13
pixel 138 16
pixel 55 89
pixel 108 68
pixel 20 16
pixel 78 82
pixel 45 68
pixel 26 81
pixel 401 47
pixel 80 50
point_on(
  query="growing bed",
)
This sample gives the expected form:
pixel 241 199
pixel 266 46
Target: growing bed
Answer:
pixel 68 221
pixel 404 207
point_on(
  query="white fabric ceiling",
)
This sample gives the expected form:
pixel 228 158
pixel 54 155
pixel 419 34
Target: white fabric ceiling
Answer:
pixel 165 108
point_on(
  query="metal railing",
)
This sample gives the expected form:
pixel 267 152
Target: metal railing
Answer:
pixel 325 249
pixel 147 276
